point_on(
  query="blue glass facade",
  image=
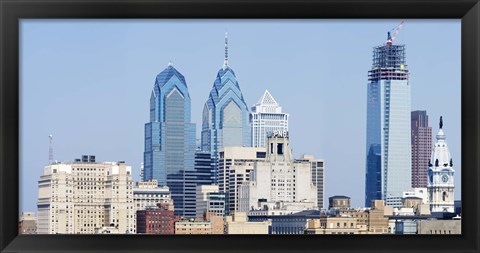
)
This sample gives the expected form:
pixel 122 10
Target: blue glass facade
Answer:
pixel 201 175
pixel 170 138
pixel 226 119
pixel 388 145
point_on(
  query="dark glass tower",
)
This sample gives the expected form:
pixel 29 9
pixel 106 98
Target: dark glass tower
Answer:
pixel 170 138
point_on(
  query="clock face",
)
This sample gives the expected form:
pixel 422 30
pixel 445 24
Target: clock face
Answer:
pixel 445 178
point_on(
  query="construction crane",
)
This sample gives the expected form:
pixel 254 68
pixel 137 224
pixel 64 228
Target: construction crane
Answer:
pixel 390 38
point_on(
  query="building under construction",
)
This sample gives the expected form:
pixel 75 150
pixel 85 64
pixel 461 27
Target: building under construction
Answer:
pixel 388 63
pixel 388 144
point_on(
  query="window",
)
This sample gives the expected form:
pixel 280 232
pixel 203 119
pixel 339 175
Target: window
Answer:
pixel 280 148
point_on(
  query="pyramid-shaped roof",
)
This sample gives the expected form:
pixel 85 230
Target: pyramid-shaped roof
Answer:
pixel 164 76
pixel 267 99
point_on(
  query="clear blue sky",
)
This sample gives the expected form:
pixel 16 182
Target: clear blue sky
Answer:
pixel 88 83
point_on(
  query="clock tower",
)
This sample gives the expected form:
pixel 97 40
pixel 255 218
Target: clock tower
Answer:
pixel 440 176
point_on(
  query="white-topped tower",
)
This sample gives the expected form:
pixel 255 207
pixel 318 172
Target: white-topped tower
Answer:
pixel 441 176
pixel 267 117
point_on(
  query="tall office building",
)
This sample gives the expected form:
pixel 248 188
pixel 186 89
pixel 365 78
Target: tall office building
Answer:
pixel 80 197
pixel 225 114
pixel 234 167
pixel 421 148
pixel 170 137
pixel 388 144
pixel 441 182
pixel 267 117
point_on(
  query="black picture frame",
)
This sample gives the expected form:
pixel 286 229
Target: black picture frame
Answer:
pixel 11 11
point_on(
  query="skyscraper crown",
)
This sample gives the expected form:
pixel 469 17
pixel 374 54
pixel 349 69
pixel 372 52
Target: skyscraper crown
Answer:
pixel 167 74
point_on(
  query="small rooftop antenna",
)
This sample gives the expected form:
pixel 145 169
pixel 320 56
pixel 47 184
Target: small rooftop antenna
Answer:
pixel 50 149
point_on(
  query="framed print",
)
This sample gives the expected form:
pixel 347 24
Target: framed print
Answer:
pixel 347 126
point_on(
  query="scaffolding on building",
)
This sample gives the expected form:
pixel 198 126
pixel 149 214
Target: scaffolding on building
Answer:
pixel 388 63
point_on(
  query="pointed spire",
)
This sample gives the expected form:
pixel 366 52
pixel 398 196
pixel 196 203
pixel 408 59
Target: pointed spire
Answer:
pixel 441 134
pixel 225 62
pixel 170 64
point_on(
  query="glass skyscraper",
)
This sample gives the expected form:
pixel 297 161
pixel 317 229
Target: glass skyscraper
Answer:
pixel 388 144
pixel 225 115
pixel 170 138
pixel 267 117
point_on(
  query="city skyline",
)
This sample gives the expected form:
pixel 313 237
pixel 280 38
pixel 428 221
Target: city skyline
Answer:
pixel 246 65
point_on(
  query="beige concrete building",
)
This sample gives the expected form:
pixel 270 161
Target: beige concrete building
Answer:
pixel 378 217
pixel 238 224
pixel 234 167
pixel 27 223
pixel 193 227
pixel 210 224
pixel 279 179
pixel 354 221
pixel 79 197
pixel 444 227
pixel 335 225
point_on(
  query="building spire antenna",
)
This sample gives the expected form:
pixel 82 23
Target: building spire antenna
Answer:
pixel 225 62
pixel 50 148
pixel 441 122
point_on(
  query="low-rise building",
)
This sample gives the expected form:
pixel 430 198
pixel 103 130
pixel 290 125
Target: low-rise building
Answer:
pixel 339 219
pixel 27 223
pixel 334 225
pixel 156 220
pixel 211 223
pixel 238 224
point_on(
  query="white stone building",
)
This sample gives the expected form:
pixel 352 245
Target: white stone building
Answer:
pixel 79 197
pixel 234 167
pixel 149 194
pixel 279 179
pixel 440 176
pixel 267 117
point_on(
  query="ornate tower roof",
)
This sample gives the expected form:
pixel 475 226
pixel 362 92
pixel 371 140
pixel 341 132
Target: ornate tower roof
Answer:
pixel 267 99
pixel 440 150
pixel 267 104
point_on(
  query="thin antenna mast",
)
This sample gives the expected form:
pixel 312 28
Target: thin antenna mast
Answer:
pixel 50 149
pixel 225 62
